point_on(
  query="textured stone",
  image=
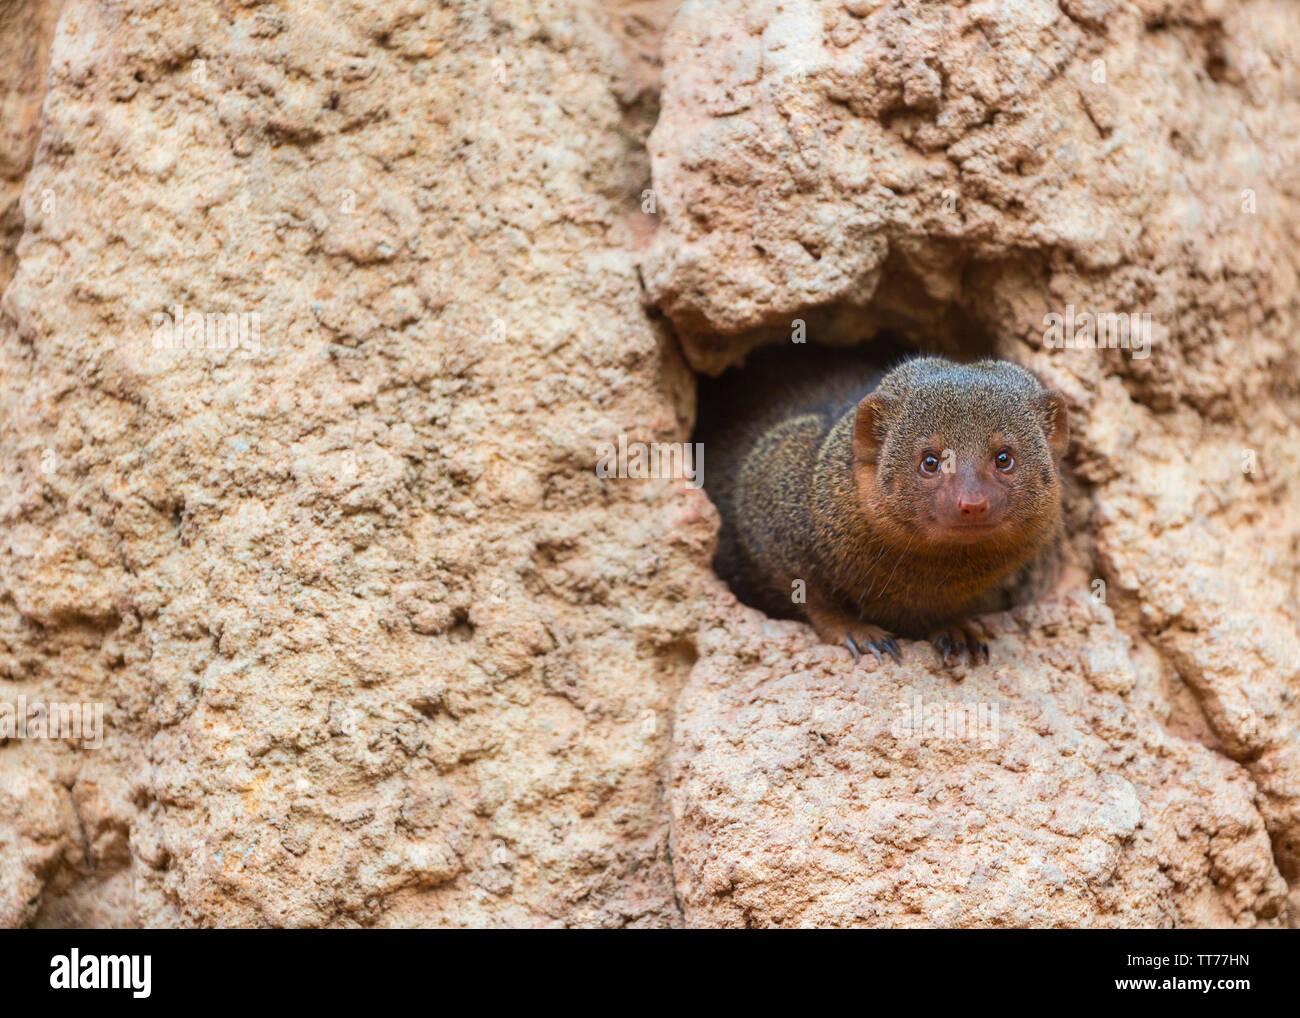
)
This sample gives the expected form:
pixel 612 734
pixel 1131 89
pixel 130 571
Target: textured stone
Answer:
pixel 376 645
pixel 1041 791
pixel 957 173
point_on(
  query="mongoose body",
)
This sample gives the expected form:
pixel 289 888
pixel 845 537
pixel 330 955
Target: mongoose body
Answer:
pixel 875 503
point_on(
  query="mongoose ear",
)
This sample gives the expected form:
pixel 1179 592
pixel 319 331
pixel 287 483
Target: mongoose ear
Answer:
pixel 874 414
pixel 1056 422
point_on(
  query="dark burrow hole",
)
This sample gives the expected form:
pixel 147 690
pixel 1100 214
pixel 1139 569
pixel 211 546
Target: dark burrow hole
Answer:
pixel 462 629
pixel 775 362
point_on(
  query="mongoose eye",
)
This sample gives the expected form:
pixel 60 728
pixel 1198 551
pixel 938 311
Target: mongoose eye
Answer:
pixel 1005 461
pixel 929 464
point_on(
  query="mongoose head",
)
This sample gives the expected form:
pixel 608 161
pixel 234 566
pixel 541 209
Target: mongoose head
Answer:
pixel 951 455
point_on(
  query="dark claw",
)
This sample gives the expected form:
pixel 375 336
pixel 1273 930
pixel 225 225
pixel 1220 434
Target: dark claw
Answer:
pixel 944 645
pixel 853 647
pixel 875 650
pixel 891 645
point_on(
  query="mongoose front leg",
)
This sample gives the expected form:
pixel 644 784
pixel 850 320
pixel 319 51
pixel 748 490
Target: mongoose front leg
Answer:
pixel 959 642
pixel 836 626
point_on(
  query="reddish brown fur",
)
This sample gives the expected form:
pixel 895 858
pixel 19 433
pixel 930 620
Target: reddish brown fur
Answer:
pixel 814 465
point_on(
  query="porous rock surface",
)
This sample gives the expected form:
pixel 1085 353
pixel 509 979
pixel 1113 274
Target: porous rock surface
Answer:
pixel 375 643
pixel 378 647
pixel 958 172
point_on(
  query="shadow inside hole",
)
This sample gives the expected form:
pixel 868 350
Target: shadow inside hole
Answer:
pixel 828 380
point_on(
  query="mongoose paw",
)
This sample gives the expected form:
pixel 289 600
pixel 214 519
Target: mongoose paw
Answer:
pixel 866 637
pixel 961 643
pixel 835 626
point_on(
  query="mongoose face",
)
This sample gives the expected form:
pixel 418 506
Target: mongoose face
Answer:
pixel 951 456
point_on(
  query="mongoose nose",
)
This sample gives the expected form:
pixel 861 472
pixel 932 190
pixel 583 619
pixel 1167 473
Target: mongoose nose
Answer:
pixel 973 507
